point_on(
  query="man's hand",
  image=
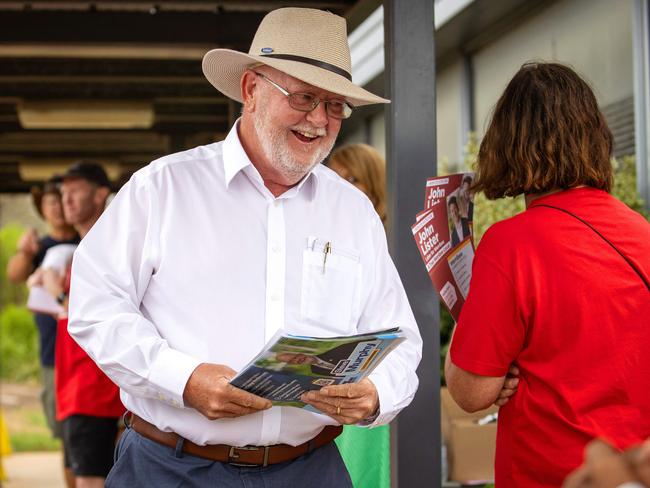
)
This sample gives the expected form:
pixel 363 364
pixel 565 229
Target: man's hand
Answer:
pixel 208 390
pixel 28 243
pixel 21 264
pixel 604 467
pixel 509 388
pixel 640 460
pixel 347 404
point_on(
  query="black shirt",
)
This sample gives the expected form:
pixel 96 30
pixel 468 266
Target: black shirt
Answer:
pixel 46 323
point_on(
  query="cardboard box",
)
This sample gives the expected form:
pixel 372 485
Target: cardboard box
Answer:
pixel 470 447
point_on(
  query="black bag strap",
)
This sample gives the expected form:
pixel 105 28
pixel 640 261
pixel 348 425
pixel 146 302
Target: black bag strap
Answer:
pixel 627 260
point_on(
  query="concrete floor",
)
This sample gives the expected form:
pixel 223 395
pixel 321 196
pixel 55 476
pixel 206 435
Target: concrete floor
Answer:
pixel 33 470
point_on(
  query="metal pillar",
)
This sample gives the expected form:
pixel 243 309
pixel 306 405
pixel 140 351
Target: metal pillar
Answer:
pixel 641 31
pixel 467 125
pixel 411 158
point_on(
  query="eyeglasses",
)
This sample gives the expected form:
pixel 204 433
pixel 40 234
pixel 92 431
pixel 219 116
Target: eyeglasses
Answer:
pixel 306 102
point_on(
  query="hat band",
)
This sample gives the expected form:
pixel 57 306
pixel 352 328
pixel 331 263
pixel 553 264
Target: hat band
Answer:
pixel 313 62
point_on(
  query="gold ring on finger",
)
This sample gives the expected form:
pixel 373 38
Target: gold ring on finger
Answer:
pixel 338 410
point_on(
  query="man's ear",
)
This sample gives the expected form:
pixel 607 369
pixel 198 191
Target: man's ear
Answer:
pixel 101 195
pixel 248 85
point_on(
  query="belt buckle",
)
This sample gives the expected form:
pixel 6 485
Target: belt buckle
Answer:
pixel 233 456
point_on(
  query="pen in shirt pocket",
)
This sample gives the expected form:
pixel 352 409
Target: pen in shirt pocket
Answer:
pixel 326 250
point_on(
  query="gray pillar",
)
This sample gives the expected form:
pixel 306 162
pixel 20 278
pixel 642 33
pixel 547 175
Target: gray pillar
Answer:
pixel 641 23
pixel 467 125
pixel 411 158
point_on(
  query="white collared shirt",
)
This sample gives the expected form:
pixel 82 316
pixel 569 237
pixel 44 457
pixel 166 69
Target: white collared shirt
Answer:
pixel 196 261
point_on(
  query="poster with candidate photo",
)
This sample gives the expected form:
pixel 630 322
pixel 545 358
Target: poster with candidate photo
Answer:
pixel 443 232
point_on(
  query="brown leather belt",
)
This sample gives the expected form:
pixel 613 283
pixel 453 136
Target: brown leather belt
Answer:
pixel 246 456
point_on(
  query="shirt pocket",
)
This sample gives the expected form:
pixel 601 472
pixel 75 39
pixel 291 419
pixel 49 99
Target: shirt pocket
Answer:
pixel 330 292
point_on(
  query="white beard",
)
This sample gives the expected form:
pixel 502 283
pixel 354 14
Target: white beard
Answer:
pixel 276 147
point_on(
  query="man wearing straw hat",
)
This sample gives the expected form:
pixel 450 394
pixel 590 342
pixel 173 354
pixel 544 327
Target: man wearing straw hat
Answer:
pixel 216 248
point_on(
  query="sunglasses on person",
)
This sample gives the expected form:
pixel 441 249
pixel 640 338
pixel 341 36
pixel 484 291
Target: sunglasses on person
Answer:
pixel 306 102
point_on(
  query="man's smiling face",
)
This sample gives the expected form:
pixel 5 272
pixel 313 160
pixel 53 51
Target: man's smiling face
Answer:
pixel 293 141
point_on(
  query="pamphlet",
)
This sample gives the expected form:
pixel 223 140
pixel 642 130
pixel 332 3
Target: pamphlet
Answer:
pixel 443 232
pixel 291 365
pixel 39 300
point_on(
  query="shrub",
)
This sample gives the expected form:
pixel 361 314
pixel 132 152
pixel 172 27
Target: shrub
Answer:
pixel 18 344
pixel 9 292
pixel 624 187
pixel 18 334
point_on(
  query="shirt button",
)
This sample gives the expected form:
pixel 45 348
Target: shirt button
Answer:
pixel 275 296
pixel 275 248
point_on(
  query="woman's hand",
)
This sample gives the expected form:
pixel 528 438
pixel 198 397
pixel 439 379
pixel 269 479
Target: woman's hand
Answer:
pixel 510 384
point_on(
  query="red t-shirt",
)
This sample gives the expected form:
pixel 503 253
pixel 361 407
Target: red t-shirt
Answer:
pixel 81 387
pixel 548 294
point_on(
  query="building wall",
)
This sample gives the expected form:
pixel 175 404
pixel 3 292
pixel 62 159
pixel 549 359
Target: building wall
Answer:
pixel 448 117
pixel 358 135
pixel 593 36
pixel 378 133
pixel 372 131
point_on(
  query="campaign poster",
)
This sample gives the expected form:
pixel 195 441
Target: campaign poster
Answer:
pixel 443 232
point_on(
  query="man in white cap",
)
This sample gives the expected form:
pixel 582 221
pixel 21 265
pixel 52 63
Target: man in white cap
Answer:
pixel 214 249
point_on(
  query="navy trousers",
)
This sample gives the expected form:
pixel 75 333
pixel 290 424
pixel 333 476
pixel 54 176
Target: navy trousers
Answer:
pixel 140 462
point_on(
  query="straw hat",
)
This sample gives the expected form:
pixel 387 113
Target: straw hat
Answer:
pixel 308 44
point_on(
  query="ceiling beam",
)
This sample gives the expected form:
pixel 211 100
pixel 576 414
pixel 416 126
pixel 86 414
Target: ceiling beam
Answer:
pixel 112 52
pixel 103 52
pixel 227 29
pixel 153 7
pixel 29 66
pixel 106 89
pixel 100 142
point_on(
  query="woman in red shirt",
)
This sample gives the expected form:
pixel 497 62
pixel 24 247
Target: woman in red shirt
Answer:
pixel 559 291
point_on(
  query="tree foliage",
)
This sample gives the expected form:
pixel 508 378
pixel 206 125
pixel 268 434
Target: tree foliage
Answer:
pixel 18 344
pixel 18 335
pixel 10 293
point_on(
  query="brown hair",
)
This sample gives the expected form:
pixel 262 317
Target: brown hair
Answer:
pixel 546 134
pixel 366 166
pixel 38 192
pixel 452 201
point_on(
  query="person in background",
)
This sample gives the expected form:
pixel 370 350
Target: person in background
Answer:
pixel 561 291
pixel 88 403
pixel 31 251
pixel 216 248
pixel 366 452
pixel 363 166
